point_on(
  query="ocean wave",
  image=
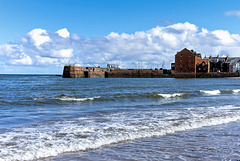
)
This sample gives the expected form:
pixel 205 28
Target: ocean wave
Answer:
pixel 213 92
pixel 76 99
pixel 67 98
pixel 236 90
pixel 80 134
pixel 171 95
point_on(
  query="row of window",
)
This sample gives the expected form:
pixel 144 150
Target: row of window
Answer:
pixel 182 59
pixel 188 55
pixel 182 65
pixel 203 64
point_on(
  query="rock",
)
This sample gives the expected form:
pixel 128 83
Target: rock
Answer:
pixel 63 95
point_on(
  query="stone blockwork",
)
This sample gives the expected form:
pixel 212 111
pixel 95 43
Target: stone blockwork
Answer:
pixel 83 72
pixel 73 72
pixel 96 72
pixel 206 75
pixel 136 73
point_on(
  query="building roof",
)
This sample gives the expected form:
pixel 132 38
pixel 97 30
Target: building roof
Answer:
pixel 233 60
pixel 193 52
pixel 218 59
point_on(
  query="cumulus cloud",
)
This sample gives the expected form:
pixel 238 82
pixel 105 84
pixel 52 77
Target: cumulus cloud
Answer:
pixel 64 53
pixel 24 60
pixel 14 54
pixel 233 13
pixel 149 48
pixel 38 37
pixel 45 60
pixel 63 33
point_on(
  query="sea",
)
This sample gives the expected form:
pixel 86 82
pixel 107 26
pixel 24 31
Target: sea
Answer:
pixel 50 118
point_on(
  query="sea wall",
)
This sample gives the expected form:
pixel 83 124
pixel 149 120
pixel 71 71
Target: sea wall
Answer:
pixel 83 72
pixel 96 74
pixel 72 72
pixel 206 75
pixel 92 72
pixel 135 73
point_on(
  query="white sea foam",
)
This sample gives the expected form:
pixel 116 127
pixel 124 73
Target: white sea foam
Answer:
pixel 76 99
pixel 236 90
pixel 213 92
pixel 171 95
pixel 53 138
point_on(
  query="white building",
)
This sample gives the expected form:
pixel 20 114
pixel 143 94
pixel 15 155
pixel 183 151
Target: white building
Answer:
pixel 234 64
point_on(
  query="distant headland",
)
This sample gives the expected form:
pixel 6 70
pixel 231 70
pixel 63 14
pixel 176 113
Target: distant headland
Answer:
pixel 188 64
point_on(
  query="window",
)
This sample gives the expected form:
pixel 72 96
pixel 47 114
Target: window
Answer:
pixel 180 59
pixel 203 64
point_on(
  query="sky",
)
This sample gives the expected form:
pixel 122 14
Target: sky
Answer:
pixel 41 36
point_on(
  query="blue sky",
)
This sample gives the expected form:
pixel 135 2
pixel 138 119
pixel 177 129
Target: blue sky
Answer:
pixel 112 31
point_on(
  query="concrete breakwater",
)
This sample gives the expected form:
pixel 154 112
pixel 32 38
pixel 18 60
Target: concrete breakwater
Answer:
pixel 97 72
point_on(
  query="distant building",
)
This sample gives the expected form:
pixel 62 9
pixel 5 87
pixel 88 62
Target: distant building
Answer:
pixel 219 64
pixel 188 61
pixel 112 67
pixel 234 64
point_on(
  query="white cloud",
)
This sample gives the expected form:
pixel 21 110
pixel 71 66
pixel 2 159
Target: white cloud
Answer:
pixel 63 33
pixel 45 60
pixel 75 37
pixel 64 53
pixel 184 26
pixel 149 48
pixel 39 36
pixel 14 54
pixel 224 37
pixel 233 13
pixel 23 60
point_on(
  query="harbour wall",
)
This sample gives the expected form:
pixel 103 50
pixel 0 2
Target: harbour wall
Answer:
pixel 85 72
pixel 206 75
pixel 135 73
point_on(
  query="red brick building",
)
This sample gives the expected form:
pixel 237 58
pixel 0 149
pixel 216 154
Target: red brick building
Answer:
pixel 188 61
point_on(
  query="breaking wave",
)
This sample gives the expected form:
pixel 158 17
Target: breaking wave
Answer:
pixel 217 92
pixel 76 99
pixel 79 134
pixel 68 98
pixel 171 95
pixel 236 90
pixel 213 92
